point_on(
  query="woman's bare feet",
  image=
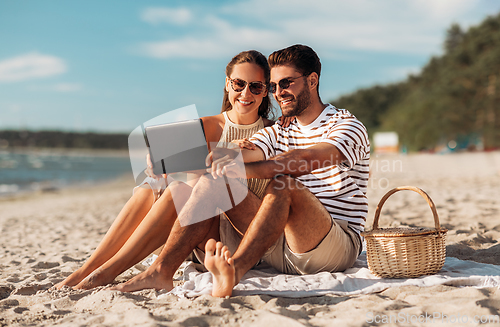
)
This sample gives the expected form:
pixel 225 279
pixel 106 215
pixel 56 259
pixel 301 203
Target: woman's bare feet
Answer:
pixel 153 277
pixel 72 280
pixel 98 277
pixel 219 262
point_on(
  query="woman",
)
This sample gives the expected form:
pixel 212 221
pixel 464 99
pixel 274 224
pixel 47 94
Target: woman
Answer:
pixel 146 220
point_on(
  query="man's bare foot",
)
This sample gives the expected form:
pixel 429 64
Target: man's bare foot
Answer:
pixel 219 262
pixel 151 278
pixel 97 278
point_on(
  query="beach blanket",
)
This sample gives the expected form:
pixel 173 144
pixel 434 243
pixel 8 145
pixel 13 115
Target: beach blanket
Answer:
pixel 355 280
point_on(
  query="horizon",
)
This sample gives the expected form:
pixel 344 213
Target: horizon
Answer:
pixel 92 67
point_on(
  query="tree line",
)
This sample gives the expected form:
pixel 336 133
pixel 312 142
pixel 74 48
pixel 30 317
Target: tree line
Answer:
pixel 456 96
pixel 57 139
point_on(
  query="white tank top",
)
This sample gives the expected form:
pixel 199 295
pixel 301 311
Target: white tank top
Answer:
pixel 234 131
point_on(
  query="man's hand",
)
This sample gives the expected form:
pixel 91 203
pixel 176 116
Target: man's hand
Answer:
pixel 223 161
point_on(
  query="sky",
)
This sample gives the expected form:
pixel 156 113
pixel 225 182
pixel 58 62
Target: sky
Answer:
pixel 108 66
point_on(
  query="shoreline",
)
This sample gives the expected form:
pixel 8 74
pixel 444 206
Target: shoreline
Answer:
pixel 124 179
pixel 33 170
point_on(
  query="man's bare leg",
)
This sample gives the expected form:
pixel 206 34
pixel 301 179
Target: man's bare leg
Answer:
pixel 182 240
pixel 124 225
pixel 287 207
pixel 151 233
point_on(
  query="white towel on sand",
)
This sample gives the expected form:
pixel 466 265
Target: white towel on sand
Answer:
pixel 355 280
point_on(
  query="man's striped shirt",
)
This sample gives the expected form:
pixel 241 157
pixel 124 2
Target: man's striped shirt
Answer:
pixel 340 188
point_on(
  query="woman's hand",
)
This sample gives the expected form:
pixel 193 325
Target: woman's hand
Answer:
pixel 149 170
pixel 244 144
pixel 285 121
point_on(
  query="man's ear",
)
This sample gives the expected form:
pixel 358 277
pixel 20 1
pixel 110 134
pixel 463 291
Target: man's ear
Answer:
pixel 313 80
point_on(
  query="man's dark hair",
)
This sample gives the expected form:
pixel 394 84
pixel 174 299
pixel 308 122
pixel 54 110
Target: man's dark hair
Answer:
pixel 302 57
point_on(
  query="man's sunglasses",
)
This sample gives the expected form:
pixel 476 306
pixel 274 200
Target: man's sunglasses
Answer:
pixel 239 85
pixel 284 83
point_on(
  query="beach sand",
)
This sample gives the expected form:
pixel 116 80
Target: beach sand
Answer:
pixel 44 237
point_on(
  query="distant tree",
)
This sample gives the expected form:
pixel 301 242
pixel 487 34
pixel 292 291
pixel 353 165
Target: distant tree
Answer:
pixel 370 104
pixel 454 37
pixel 57 139
pixel 455 95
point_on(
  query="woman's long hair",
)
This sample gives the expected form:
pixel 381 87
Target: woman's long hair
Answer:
pixel 253 57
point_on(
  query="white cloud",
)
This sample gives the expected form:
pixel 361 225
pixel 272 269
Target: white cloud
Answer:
pixel 58 87
pixel 443 9
pixel 176 16
pixel 330 26
pixel 414 26
pixel 220 40
pixel 14 108
pixel 30 66
pixel 188 47
pixel 67 87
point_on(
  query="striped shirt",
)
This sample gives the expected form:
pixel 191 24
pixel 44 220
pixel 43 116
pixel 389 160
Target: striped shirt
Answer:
pixel 340 188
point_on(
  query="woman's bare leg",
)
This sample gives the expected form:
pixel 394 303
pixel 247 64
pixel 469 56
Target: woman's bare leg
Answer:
pixel 124 225
pixel 181 241
pixel 151 233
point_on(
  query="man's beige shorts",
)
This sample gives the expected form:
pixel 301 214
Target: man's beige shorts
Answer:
pixel 336 252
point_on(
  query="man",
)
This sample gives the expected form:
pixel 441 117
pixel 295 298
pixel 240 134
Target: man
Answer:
pixel 315 206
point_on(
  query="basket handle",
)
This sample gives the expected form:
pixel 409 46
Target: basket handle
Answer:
pixel 411 188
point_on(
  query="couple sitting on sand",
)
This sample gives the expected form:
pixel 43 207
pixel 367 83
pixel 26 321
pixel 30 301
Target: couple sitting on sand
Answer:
pixel 307 182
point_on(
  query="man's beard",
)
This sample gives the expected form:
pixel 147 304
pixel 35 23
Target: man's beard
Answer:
pixel 303 100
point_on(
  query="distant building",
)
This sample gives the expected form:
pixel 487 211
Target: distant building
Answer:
pixel 386 142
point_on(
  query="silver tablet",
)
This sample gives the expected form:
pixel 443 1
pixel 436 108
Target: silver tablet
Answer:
pixel 177 147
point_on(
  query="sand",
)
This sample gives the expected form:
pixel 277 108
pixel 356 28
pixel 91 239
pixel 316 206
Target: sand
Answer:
pixel 44 237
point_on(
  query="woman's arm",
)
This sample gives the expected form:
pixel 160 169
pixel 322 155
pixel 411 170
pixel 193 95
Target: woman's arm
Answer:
pixel 213 126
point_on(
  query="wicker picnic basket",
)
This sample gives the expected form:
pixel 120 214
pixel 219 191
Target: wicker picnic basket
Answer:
pixel 403 252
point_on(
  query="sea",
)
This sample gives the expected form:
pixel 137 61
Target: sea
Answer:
pixel 31 170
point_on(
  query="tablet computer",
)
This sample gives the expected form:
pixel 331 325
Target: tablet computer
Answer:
pixel 177 147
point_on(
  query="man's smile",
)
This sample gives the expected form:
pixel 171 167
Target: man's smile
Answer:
pixel 286 101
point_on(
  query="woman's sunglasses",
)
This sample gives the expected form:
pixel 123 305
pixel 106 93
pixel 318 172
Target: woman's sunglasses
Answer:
pixel 284 83
pixel 239 85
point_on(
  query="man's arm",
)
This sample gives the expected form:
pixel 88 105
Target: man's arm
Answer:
pixel 221 157
pixel 296 162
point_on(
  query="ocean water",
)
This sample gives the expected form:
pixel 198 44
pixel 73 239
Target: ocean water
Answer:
pixel 46 170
